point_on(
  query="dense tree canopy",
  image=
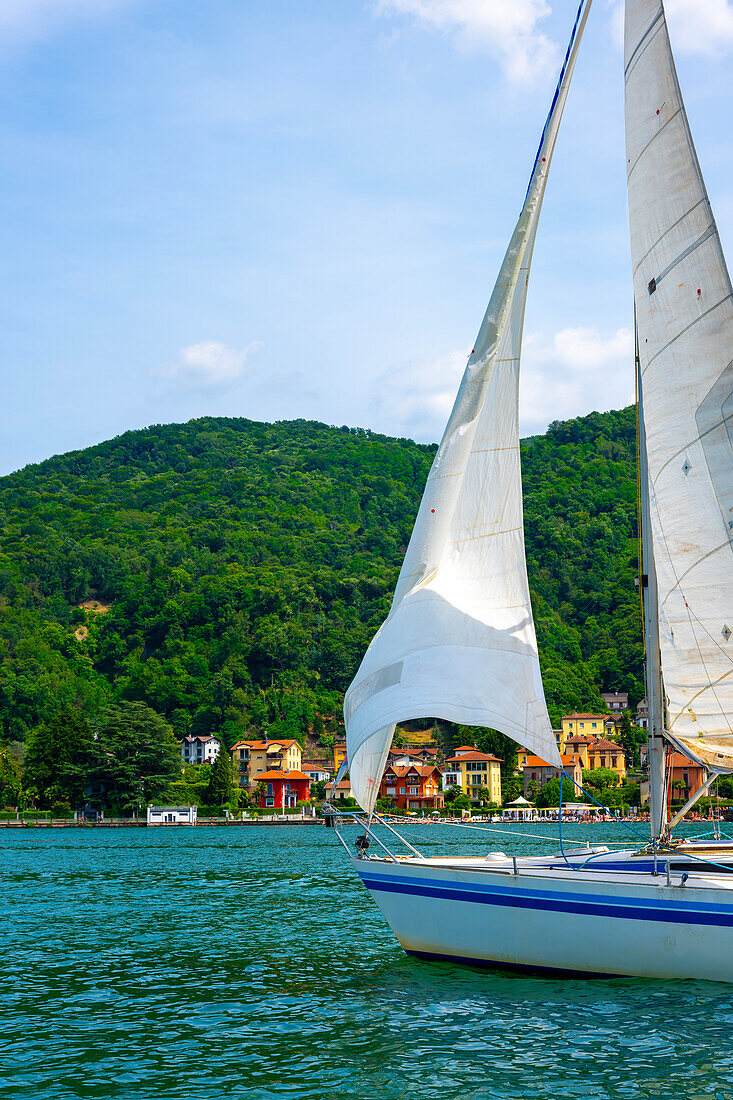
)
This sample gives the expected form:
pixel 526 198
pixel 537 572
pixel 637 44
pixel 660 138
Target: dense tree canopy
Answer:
pixel 230 574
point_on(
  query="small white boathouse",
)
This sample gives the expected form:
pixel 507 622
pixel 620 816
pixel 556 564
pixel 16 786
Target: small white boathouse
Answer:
pixel 172 815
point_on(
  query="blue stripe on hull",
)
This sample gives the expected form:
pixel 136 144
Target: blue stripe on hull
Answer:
pixel 519 968
pixel 624 907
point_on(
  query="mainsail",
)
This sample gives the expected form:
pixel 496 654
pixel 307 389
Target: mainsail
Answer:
pixel 684 307
pixel 459 642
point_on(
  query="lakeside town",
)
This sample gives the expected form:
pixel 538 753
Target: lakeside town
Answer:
pixel 434 772
pixel 420 779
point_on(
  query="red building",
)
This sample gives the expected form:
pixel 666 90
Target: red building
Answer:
pixel 280 790
pixel 416 787
pixel 686 776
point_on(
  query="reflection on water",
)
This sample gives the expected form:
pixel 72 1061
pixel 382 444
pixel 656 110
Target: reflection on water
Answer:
pixel 208 963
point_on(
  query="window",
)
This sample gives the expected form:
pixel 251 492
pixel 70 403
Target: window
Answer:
pixel 614 761
pixel 582 725
pixel 391 790
pixel 402 790
pixel 414 790
pixel 270 790
pixel 269 801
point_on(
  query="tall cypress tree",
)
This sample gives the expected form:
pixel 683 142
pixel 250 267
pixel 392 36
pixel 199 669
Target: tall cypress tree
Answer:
pixel 221 784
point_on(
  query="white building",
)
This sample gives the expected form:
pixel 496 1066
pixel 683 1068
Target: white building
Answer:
pixel 316 774
pixel 172 815
pixel 200 750
pixel 450 778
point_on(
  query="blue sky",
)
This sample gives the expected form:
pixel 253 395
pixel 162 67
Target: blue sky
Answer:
pixel 274 209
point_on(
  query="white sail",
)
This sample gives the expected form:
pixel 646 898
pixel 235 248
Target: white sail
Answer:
pixel 459 642
pixel 684 306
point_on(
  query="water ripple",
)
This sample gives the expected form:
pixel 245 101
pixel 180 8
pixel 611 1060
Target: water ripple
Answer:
pixel 212 963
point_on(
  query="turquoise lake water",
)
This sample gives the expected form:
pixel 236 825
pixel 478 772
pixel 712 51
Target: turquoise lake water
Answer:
pixel 204 963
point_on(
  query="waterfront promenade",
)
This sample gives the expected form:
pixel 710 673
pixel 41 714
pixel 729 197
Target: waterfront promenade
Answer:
pixel 141 823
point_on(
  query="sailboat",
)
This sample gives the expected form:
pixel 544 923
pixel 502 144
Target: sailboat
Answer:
pixel 459 642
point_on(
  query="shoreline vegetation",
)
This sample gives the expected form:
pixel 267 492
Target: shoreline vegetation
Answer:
pixel 226 576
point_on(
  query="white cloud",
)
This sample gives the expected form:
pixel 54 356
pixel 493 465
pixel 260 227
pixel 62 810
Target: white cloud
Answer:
pixel 703 27
pixel 571 374
pixel 574 373
pixel 415 399
pixel 506 28
pixel 210 364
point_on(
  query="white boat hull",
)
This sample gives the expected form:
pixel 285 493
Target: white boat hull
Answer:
pixel 562 921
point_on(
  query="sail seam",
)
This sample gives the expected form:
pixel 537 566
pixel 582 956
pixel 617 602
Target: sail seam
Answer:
pixel 677 587
pixel 491 450
pixel 652 140
pixel 708 687
pixel 697 439
pixel 488 535
pixel 709 232
pixel 668 231
pixel 642 40
pixel 686 329
pixel 711 684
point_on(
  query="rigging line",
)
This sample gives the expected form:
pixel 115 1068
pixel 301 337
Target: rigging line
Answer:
pixel 678 585
pixel 701 692
pixel 702 659
pixel 607 809
pixel 715 641
pixel 483 829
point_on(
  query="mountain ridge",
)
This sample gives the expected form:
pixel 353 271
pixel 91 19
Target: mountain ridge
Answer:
pixel 246 566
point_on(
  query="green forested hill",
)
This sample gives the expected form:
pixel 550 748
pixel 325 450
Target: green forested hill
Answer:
pixel 242 568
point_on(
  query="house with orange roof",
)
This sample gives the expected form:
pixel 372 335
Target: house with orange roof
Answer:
pixel 536 770
pixel 471 770
pixel 686 777
pixel 343 790
pixel 413 786
pixel 252 758
pixel 603 753
pixel 578 746
pixel 282 790
pixel 585 725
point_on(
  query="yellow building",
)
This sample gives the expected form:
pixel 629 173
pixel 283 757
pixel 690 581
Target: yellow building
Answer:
pixel 471 770
pixel 585 725
pixel 254 758
pixel 579 745
pixel 339 755
pixel 603 753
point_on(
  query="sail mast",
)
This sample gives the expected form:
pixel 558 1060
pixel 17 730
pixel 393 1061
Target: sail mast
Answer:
pixel 652 654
